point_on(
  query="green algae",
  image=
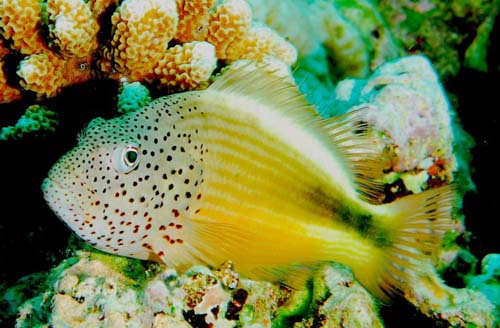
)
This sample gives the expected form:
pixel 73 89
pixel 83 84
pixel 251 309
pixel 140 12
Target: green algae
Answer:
pixel 477 53
pixel 453 34
pixel 298 304
pixel 35 122
pixel 138 272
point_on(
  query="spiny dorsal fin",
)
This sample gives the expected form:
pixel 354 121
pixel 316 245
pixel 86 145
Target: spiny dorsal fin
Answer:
pixel 350 135
pixel 273 85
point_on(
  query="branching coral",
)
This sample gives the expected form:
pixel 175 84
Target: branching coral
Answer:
pixel 72 27
pixel 194 17
pixel 172 43
pixel 20 25
pixel 142 31
pixel 45 73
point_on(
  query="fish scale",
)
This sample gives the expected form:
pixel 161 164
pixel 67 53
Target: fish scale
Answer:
pixel 245 171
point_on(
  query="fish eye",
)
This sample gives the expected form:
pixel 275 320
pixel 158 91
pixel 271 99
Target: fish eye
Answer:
pixel 125 158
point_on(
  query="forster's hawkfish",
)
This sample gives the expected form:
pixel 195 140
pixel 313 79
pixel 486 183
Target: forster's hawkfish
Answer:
pixel 245 170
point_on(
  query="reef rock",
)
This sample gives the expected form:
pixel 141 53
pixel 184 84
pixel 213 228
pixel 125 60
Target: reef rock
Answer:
pixel 412 120
pixel 97 290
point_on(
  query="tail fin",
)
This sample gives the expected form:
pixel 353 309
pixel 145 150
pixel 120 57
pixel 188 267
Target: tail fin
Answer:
pixel 417 224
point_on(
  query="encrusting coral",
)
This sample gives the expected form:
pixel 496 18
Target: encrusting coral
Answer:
pixel 174 44
pixel 35 121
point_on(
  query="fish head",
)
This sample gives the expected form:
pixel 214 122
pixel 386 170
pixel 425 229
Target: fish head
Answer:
pixel 104 189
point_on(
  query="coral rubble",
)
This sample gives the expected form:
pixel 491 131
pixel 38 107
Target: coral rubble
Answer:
pixel 100 291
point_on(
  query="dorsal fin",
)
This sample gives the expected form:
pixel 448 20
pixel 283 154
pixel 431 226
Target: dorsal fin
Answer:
pixel 268 83
pixel 347 134
pixel 350 133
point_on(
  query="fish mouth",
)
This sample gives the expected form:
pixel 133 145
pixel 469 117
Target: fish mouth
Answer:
pixel 60 200
pixel 52 192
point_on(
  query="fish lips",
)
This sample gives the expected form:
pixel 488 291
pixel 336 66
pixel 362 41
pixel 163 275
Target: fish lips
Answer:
pixel 61 201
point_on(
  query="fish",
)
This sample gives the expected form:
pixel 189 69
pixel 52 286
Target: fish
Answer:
pixel 246 170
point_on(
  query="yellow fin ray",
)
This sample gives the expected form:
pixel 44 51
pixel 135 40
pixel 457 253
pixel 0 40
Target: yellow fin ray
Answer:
pixel 349 134
pixel 431 212
pixel 267 85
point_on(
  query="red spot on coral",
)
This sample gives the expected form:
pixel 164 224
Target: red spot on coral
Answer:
pixel 437 173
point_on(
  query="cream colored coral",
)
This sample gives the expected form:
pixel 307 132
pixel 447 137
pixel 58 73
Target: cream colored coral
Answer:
pixel 230 21
pixel 72 27
pixel 186 67
pixel 99 7
pixel 41 73
pixel 260 41
pixel 194 16
pixel 143 29
pixel 46 73
pixel 20 24
pixel 141 32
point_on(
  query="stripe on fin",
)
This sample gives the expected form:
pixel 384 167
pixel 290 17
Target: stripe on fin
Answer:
pixel 418 223
pixel 350 135
pixel 347 134
pixel 268 85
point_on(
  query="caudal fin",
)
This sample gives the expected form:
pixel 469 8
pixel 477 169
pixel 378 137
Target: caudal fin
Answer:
pixel 417 224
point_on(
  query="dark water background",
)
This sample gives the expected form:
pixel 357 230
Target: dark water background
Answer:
pixel 32 239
